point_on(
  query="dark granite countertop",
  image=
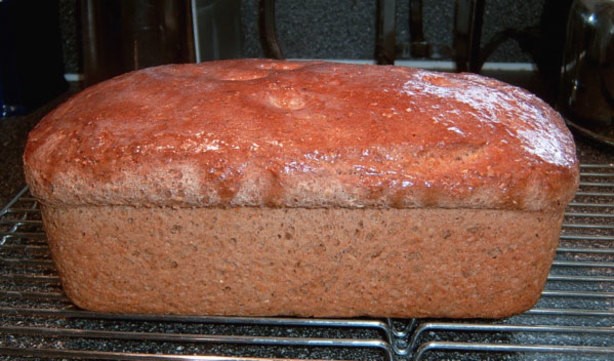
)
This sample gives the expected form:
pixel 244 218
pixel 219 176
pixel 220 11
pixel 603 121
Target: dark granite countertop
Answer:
pixel 14 130
pixel 13 134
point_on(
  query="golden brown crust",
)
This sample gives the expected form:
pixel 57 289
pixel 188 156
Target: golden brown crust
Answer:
pixel 302 134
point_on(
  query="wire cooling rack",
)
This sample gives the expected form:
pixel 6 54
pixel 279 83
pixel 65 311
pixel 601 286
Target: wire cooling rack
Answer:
pixel 574 319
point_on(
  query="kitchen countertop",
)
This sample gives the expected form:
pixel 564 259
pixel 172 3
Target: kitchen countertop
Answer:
pixel 13 134
pixel 14 130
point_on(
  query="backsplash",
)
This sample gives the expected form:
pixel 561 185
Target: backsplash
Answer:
pixel 344 29
pixel 71 38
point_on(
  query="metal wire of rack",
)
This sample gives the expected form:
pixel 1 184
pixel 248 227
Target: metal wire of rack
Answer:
pixel 574 319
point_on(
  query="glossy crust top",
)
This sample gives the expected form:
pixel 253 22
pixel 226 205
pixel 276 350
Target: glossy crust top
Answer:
pixel 302 134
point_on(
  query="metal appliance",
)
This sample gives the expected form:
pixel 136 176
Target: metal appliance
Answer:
pixel 586 95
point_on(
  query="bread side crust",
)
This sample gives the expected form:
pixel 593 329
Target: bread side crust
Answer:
pixel 461 263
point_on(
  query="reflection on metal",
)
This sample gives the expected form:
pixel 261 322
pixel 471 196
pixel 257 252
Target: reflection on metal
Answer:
pixel 268 31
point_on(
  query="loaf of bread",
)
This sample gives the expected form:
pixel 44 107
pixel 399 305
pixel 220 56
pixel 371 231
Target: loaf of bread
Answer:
pixel 261 187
